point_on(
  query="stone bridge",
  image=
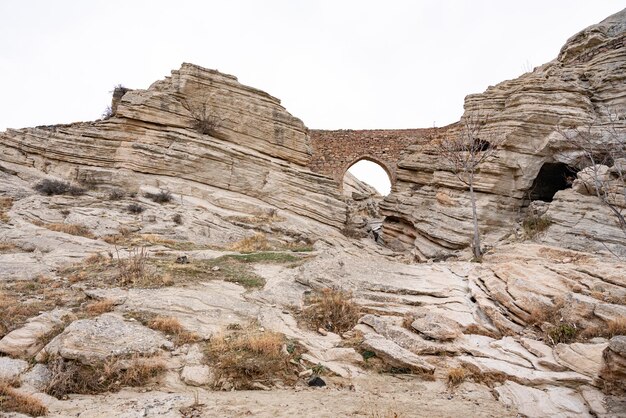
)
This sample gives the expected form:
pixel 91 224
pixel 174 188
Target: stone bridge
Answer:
pixel 334 152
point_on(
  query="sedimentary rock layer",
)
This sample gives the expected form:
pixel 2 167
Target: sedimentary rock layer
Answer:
pixel 430 208
pixel 253 145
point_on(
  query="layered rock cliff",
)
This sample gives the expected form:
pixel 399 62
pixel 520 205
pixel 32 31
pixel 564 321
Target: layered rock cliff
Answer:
pixel 429 209
pixel 249 145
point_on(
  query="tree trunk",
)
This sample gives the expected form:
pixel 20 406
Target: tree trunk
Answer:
pixel 476 244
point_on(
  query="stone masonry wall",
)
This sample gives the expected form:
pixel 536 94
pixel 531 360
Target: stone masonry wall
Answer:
pixel 335 151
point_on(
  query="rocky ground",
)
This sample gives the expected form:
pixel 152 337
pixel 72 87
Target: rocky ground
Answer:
pixel 533 330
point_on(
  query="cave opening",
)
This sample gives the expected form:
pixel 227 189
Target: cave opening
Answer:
pixel 552 177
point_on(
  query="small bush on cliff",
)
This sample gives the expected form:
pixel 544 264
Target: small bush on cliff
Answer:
pixel 164 196
pixel 333 310
pixel 54 187
pixel 134 208
pixel 250 355
pixel 109 376
pixel 534 225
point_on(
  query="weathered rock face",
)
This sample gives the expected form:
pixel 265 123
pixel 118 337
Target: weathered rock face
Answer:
pixel 251 145
pixel 430 209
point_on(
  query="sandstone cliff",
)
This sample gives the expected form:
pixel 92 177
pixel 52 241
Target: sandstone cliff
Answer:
pixel 255 148
pixel 429 208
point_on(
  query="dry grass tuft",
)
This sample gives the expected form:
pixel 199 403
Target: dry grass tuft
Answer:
pixel 72 229
pixel 609 330
pixel 12 400
pixel 332 310
pixel 257 242
pixel 250 356
pixel 109 376
pixel 24 299
pixel 466 371
pixel 99 307
pixel 456 376
pixel 550 320
pixel 134 270
pixel 171 326
pixel 6 203
pixel 534 225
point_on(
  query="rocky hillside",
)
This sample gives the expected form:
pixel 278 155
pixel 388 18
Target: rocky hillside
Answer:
pixel 429 208
pixel 178 259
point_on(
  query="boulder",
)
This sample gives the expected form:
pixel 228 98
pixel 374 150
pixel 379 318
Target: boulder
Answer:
pixel 197 375
pixel 536 403
pixel 614 355
pixel 11 368
pixel 91 341
pixel 582 358
pixel 437 327
pixel 395 355
pixel 26 341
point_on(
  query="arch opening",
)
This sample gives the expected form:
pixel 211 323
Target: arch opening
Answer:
pixel 551 178
pixel 372 173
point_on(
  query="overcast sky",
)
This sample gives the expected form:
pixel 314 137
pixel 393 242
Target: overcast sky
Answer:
pixel 334 64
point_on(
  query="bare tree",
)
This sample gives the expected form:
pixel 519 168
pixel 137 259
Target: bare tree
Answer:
pixel 463 154
pixel 602 149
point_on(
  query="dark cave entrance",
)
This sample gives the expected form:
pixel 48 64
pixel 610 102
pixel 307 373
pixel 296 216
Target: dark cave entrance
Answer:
pixel 552 177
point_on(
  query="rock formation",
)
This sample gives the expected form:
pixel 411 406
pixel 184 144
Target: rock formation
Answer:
pixel 429 208
pixel 256 147
pixel 198 224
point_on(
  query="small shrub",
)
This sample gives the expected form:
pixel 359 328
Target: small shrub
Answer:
pixel 117 194
pixel 164 196
pixel 55 187
pixel 12 400
pixel 533 225
pixel 171 326
pixel 134 208
pixel 562 333
pixel 109 376
pixel 132 270
pixel 257 242
pixel 205 121
pixel 456 376
pixel 177 219
pixel 332 310
pixel 108 113
pixel 251 355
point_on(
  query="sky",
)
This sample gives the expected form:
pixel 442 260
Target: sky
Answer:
pixel 337 64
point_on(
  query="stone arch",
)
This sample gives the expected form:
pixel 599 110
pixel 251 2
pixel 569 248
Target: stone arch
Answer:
pixel 386 166
pixel 333 152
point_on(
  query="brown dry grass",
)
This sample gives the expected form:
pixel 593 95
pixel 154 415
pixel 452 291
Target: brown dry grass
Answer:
pixel 250 356
pixel 257 242
pixel 172 326
pixel 72 229
pixel 609 330
pixel 456 376
pixel 24 299
pixel 331 309
pixel 109 376
pixel 126 238
pixel 6 203
pixel 12 400
pixel 554 327
pixel 6 247
pixel 99 307
pixel 466 371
